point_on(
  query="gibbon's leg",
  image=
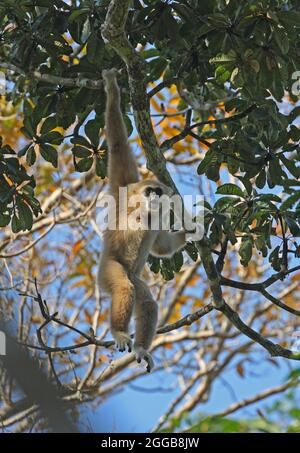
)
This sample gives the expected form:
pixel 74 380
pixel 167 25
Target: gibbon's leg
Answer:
pixel 146 312
pixel 122 168
pixel 114 279
pixel 167 243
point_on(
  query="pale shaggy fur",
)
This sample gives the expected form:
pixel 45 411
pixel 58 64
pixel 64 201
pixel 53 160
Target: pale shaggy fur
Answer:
pixel 125 252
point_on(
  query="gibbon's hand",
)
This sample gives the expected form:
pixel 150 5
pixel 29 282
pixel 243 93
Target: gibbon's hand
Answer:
pixel 140 354
pixel 122 340
pixel 109 75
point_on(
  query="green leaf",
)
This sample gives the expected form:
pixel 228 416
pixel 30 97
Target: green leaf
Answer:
pixel 191 250
pixel 95 49
pixel 290 201
pixel 222 74
pixel 282 40
pixel 218 20
pixel 53 137
pixel 23 151
pixel 274 258
pixel 49 153
pixel 246 183
pixel 224 58
pixel 92 130
pixel 157 67
pixel 293 226
pixel 31 156
pixel 275 172
pixel 245 251
pixel 268 197
pixel 154 263
pixel 25 214
pixel 49 124
pixel 294 374
pixel 16 224
pixel 100 167
pixel 150 53
pixel 261 179
pixel 294 133
pixel 210 159
pixel 84 164
pixel 4 219
pixel 291 18
pixel 128 124
pixel 80 152
pixel 178 261
pixel 290 165
pixel 166 269
pixel 76 13
pixel 230 189
pixel 79 140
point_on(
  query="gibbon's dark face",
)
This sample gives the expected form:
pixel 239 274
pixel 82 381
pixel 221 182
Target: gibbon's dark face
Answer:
pixel 150 200
pixel 153 191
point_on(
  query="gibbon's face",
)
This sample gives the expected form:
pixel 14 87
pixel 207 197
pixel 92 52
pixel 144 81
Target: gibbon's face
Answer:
pixel 149 194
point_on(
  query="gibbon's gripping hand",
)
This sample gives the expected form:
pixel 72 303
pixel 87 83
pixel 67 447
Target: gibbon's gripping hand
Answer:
pixel 109 76
pixel 142 354
pixel 123 341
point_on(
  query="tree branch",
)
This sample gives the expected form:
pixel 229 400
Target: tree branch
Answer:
pixel 90 338
pixel 78 82
pixel 254 399
pixel 187 130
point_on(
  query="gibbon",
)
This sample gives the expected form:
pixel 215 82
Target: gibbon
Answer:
pixel 125 252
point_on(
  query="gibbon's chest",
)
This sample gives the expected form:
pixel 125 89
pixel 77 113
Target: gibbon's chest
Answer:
pixel 132 248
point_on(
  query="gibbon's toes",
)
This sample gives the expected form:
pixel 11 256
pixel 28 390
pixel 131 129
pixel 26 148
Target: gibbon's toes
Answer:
pixel 122 340
pixel 142 354
pixel 109 74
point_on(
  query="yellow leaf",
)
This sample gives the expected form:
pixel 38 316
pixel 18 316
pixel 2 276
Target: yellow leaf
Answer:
pixel 88 316
pixel 168 345
pixel 77 246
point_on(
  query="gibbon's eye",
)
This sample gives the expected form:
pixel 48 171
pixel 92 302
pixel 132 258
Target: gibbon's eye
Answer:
pixel 147 191
pixel 157 190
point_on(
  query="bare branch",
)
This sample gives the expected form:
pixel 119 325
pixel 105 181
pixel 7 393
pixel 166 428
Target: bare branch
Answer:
pixel 254 399
pixel 187 130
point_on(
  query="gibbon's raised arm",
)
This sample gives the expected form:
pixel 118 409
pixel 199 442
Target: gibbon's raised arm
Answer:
pixel 122 168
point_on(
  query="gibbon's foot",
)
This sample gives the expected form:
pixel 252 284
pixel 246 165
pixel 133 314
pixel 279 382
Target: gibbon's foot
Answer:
pixel 142 354
pixel 122 340
pixel 109 74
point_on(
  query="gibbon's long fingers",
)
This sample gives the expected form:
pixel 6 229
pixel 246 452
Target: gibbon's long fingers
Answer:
pixel 142 354
pixel 109 74
pixel 122 340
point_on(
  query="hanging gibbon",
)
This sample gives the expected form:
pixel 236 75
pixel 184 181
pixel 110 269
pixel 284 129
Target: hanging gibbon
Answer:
pixel 125 251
